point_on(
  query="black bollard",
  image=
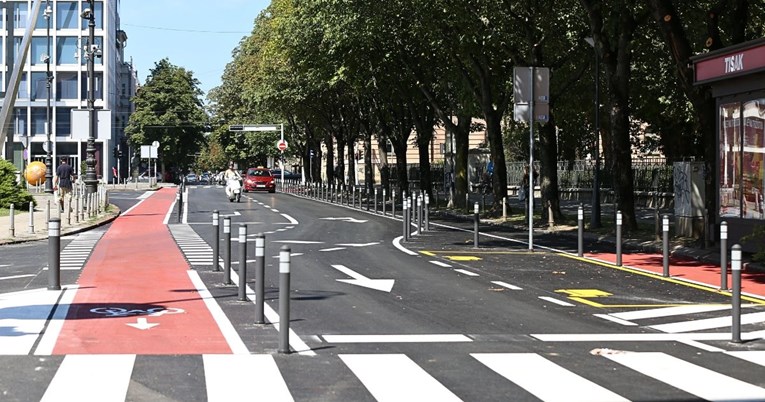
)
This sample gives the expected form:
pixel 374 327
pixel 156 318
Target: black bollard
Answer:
pixel 260 273
pixel 619 238
pixel 724 255
pixel 476 218
pixel 665 245
pixel 242 263
pixel 284 300
pixel 54 254
pixel 580 231
pixel 227 250
pixel 735 268
pixel 216 240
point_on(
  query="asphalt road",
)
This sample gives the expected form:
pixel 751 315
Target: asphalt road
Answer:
pixel 433 318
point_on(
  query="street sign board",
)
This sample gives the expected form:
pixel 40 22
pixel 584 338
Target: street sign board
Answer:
pixel 254 127
pixel 281 145
pixel 522 89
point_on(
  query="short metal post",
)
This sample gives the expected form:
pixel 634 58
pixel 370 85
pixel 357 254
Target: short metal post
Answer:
pixel 735 268
pixel 724 255
pixel 427 213
pixel 665 245
pixel 77 207
pixel 405 218
pixel 31 217
pixel 384 201
pixel 180 204
pixel 375 200
pixel 47 215
pixel 504 208
pixel 580 232
pixel 475 225
pixel 419 214
pixel 284 300
pixel 393 203
pixel 619 238
pixel 467 203
pixel 227 250
pixel 242 262
pixel 54 254
pixel 260 273
pixel 216 240
pixel 12 217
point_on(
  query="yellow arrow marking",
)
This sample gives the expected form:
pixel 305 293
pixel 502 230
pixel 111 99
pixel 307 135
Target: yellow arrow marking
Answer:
pixel 463 258
pixel 584 292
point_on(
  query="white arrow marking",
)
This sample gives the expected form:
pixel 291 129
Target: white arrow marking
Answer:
pixel 236 213
pixel 357 244
pixel 142 323
pixel 385 285
pixel 345 219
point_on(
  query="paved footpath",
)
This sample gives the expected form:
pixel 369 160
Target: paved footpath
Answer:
pixel 135 279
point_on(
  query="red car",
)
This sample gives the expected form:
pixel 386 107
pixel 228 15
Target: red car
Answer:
pixel 259 179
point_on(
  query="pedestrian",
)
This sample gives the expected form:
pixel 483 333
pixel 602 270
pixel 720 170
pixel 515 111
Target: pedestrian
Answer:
pixel 63 182
pixel 523 193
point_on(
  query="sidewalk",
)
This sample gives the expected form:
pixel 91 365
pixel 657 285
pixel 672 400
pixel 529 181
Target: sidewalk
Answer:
pixel 46 208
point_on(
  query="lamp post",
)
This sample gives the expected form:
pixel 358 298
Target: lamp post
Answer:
pixel 91 180
pixel 595 219
pixel 48 78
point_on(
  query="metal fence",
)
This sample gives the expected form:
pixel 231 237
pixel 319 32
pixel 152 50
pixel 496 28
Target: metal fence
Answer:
pixel 649 175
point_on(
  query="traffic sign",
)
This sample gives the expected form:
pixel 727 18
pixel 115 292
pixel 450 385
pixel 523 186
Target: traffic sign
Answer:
pixel 281 144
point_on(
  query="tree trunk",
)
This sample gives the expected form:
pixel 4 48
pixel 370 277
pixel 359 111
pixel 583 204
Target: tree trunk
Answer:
pixel 496 146
pixel 548 175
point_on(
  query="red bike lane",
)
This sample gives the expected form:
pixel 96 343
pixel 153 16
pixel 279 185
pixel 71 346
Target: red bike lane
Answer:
pixel 135 295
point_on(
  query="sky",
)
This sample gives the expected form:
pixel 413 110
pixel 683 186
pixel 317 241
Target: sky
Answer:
pixel 194 34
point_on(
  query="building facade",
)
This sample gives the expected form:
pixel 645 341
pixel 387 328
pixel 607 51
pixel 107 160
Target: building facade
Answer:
pixel 64 35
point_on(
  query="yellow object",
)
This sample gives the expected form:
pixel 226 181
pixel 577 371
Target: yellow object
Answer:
pixel 35 173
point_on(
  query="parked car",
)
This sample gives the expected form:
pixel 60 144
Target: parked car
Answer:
pixel 192 178
pixel 204 178
pixel 259 178
pixel 277 173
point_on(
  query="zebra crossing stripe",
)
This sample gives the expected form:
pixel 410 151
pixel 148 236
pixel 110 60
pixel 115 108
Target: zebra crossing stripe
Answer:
pixel 91 378
pixel 696 380
pixel 395 377
pixel 669 311
pixel 534 373
pixel 230 377
pixel 753 356
pixel 709 323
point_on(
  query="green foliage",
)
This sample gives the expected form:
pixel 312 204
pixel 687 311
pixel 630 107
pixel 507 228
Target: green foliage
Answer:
pixel 10 191
pixel 757 235
pixel 169 110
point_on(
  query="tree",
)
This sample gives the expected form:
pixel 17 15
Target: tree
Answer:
pixel 12 192
pixel 169 110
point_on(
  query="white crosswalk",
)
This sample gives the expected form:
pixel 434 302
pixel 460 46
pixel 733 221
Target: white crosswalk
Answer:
pixel 196 250
pixel 398 377
pixel 690 318
pixel 74 255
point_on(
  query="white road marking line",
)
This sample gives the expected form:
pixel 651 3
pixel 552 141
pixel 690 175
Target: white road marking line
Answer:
pixel 414 338
pixel 533 373
pixel 614 319
pixel 397 244
pixel 466 272
pixel 702 346
pixel 709 323
pixel 440 264
pixel 753 356
pixel 696 380
pixel 333 249
pixel 15 277
pixel 395 377
pixel 229 332
pixel 506 285
pixel 23 315
pixel 91 378
pixel 291 219
pixel 556 301
pixel 298 241
pixel 650 337
pixel 670 311
pixel 228 377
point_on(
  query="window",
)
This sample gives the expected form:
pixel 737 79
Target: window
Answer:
pixel 742 159
pixel 39 86
pixel 66 50
pixel 66 85
pixel 99 14
pixel 20 14
pixel 67 15
pixel 63 121
pixel 23 87
pixel 20 120
pixel 39 50
pixel 42 22
pixel 99 79
pixel 39 118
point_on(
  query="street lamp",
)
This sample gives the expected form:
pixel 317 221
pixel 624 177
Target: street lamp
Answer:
pixel 48 78
pixel 91 50
pixel 595 219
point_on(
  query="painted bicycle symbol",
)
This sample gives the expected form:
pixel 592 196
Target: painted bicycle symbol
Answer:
pixel 124 312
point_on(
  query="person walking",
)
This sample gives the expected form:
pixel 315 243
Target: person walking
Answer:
pixel 63 182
